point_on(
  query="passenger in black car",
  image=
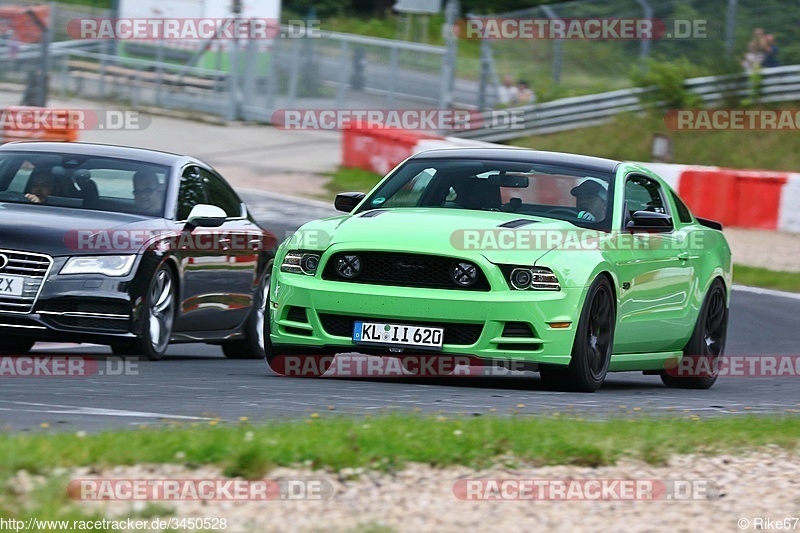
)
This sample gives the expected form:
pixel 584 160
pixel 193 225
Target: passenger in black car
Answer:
pixel 41 185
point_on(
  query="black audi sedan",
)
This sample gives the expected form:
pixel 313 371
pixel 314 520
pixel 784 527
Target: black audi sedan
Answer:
pixel 127 247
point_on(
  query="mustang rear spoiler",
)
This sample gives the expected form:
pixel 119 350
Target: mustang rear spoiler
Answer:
pixel 713 224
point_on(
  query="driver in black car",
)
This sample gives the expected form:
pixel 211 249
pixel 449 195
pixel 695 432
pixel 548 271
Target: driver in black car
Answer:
pixel 40 187
pixel 147 192
pixel 591 199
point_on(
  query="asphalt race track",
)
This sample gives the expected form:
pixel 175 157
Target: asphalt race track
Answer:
pixel 196 384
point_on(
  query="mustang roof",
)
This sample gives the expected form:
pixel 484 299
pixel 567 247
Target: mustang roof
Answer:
pixel 100 150
pixel 586 162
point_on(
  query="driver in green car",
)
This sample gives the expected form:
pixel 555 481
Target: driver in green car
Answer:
pixel 591 198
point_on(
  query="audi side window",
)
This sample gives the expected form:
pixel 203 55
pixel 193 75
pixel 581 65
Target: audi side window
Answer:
pixel 191 192
pixel 220 195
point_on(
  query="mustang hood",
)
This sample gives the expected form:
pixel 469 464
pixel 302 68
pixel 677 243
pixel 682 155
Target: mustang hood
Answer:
pixel 56 230
pixel 500 237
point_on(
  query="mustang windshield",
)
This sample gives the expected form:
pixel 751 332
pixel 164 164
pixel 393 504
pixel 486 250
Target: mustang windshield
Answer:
pixel 549 191
pixel 83 182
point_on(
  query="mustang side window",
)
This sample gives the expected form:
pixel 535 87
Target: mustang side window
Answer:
pixel 642 194
pixel 684 215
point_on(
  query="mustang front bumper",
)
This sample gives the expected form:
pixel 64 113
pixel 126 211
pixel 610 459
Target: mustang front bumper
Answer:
pixel 306 311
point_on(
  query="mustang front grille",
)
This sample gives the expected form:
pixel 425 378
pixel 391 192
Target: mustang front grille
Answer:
pixel 454 332
pixel 405 270
pixel 34 267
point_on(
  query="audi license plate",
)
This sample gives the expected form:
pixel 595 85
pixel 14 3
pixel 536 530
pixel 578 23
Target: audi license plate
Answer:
pixel 11 285
pixel 380 334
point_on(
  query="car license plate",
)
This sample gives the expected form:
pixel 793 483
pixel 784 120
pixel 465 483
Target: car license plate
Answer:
pixel 382 334
pixel 11 285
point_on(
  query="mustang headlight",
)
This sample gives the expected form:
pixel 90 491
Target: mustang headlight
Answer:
pixel 535 278
pixel 108 265
pixel 300 263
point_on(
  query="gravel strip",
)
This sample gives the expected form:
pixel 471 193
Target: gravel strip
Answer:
pixel 420 498
pixel 774 250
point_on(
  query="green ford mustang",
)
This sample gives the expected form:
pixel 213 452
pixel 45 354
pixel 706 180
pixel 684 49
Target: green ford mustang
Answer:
pixel 570 265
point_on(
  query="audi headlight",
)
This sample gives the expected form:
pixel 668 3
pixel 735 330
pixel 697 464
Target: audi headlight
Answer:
pixel 535 278
pixel 108 265
pixel 300 263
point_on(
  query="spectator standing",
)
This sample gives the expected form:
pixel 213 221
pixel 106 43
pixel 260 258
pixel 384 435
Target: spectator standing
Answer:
pixel 525 95
pixel 755 51
pixel 508 92
pixel 770 52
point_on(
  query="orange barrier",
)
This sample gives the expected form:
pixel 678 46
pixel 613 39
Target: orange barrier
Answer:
pixel 377 149
pixel 38 124
pixel 17 19
pixel 748 199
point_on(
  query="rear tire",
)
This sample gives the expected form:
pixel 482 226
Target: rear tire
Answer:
pixel 707 343
pixel 591 350
pixel 256 339
pixel 16 346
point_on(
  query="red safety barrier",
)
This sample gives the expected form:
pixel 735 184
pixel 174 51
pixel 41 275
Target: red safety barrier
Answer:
pixel 759 199
pixel 378 149
pixel 710 194
pixel 37 124
pixel 749 199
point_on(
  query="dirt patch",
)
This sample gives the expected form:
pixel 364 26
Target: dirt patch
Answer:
pixel 724 490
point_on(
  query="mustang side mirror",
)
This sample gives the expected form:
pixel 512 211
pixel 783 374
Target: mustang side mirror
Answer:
pixel 651 222
pixel 347 201
pixel 205 216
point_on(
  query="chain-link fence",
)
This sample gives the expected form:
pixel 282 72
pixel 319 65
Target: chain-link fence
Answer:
pixel 341 71
pixel 251 79
pixel 712 35
pixel 247 79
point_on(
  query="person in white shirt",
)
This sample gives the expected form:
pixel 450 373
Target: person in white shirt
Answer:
pixel 508 92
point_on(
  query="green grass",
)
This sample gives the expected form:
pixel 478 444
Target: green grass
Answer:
pixel 762 277
pixel 351 179
pixel 629 137
pixel 387 443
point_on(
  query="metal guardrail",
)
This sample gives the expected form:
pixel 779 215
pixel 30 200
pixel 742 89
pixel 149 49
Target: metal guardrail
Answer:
pixel 778 84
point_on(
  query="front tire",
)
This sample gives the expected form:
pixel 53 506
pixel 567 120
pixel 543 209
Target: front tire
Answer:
pixel 707 343
pixel 158 318
pixel 591 350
